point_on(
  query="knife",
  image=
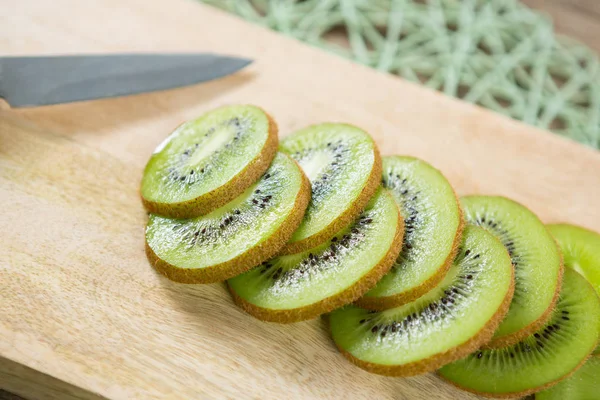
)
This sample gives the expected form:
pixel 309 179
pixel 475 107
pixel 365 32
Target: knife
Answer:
pixel 36 81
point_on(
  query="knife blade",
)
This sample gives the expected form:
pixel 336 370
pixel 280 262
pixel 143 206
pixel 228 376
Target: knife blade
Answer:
pixel 43 80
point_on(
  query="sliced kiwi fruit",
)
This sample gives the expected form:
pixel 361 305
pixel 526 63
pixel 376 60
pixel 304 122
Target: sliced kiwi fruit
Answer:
pixel 301 286
pixel 234 238
pixel 540 360
pixel 581 252
pixel 536 259
pixel 207 162
pixel 343 165
pixel 433 228
pixel 584 384
pixel 449 322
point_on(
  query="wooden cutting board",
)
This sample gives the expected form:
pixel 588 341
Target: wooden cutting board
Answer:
pixel 82 314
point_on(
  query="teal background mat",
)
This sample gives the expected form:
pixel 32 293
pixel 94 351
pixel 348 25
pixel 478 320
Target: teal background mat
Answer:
pixel 499 54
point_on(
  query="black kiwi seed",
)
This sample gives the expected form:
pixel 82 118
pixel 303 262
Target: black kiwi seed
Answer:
pixel 237 212
pixel 537 335
pixel 362 321
pixel 479 355
pixel 334 240
pixel 254 201
pixel 375 329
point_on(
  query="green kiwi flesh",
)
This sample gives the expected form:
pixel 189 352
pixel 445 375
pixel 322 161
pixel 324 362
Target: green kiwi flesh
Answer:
pixel 301 286
pixel 433 228
pixel 447 323
pixel 535 256
pixel 343 165
pixel 542 359
pixel 584 384
pixel 581 252
pixel 233 238
pixel 209 161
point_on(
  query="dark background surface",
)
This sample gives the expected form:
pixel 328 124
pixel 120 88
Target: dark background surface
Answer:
pixel 579 19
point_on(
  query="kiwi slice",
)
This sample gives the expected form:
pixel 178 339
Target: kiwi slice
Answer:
pixel 302 286
pixel 343 165
pixel 581 252
pixel 549 355
pixel 447 323
pixel 535 256
pixel 207 162
pixel 433 228
pixel 584 384
pixel 234 238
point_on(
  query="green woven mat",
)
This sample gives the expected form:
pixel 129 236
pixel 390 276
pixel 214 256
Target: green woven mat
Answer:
pixel 496 53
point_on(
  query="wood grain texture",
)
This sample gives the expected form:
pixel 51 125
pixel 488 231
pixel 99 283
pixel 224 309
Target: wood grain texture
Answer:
pixel 579 19
pixel 81 307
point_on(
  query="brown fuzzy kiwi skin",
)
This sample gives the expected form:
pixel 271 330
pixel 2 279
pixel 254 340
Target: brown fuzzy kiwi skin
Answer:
pixel 244 262
pixel 222 195
pixel 533 327
pixel 439 360
pixel 330 303
pixel 346 217
pixel 514 395
pixel 387 302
